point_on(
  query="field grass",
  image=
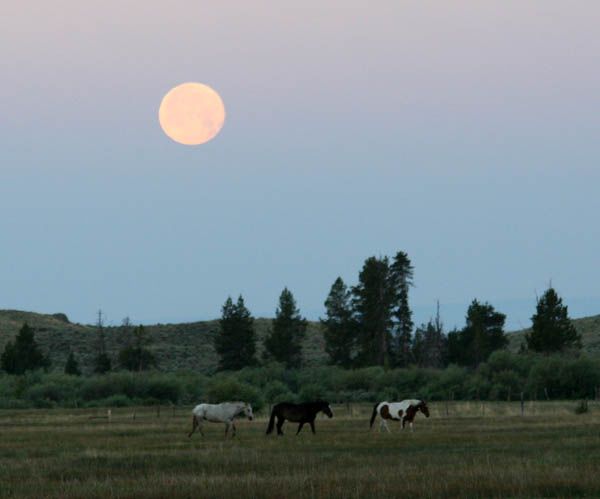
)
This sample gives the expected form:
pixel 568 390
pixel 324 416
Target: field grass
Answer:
pixel 477 450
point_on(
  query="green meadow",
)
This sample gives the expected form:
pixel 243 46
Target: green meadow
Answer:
pixel 465 449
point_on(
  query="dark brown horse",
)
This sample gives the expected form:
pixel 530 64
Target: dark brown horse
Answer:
pixel 297 413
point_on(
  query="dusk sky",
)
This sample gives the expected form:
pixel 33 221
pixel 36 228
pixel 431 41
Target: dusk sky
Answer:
pixel 465 133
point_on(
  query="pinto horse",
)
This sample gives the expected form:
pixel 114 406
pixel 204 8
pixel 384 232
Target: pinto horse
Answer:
pixel 220 413
pixel 297 413
pixel 404 411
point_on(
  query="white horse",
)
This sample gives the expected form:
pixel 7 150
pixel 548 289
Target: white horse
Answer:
pixel 404 411
pixel 220 413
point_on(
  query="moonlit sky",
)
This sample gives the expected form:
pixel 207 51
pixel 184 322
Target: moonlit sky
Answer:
pixel 465 133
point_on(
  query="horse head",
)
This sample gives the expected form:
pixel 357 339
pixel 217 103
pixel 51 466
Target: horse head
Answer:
pixel 423 407
pixel 324 406
pixel 248 411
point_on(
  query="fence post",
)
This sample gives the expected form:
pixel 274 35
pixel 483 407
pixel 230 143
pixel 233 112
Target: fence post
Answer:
pixel 108 415
pixel 447 411
pixel 546 393
pixel 522 404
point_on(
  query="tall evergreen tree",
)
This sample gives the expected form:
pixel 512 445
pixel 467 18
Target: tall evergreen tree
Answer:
pixel 401 274
pixel 102 362
pixel 482 334
pixel 339 327
pixel 72 366
pixel 235 342
pixel 23 354
pixel 284 343
pixel 429 345
pixel 552 330
pixel 373 299
pixel 136 356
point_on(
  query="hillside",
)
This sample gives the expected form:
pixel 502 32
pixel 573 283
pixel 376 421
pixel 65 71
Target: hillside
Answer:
pixel 176 346
pixel 588 327
pixel 189 345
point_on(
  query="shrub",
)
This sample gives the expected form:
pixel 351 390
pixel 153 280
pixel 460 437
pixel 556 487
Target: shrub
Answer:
pixel 579 378
pixel 312 392
pixel 545 375
pixel 449 383
pixel 163 388
pixel 54 389
pixel 224 389
pixel 112 401
pixel 582 407
pixel 276 391
pixel 193 386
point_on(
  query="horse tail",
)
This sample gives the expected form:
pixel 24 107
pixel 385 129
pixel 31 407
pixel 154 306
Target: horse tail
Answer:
pixel 271 421
pixel 374 415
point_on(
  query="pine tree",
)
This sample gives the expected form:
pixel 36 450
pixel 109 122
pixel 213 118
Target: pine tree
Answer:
pixel 236 341
pixel 401 274
pixel 373 299
pixel 72 366
pixel 135 356
pixel 552 330
pixel 23 354
pixel 339 327
pixel 482 334
pixel 429 344
pixel 102 362
pixel 284 343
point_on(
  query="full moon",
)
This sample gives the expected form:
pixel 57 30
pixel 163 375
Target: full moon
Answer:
pixel 191 113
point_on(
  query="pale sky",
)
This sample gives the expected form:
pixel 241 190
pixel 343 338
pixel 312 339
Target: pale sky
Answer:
pixel 465 133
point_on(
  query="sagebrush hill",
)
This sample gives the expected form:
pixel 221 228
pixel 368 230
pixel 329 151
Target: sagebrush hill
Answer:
pixel 188 345
pixel 176 346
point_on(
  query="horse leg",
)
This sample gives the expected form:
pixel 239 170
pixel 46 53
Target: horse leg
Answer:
pixel 280 422
pixel 234 429
pixel 312 425
pixel 385 425
pixel 226 428
pixel 300 427
pixel 411 427
pixel 194 425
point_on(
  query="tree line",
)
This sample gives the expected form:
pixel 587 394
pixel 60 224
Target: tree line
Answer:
pixel 368 324
pixel 24 354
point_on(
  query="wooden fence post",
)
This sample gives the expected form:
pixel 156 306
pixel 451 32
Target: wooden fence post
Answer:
pixel 522 404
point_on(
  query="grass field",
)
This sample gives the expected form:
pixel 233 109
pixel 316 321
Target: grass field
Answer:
pixel 476 451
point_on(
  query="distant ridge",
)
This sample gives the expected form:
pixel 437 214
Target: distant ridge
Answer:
pixel 190 345
pixel 588 327
pixel 176 346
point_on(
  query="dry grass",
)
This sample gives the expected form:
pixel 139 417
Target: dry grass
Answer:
pixel 548 453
